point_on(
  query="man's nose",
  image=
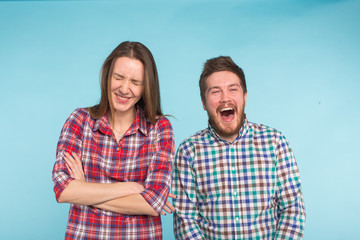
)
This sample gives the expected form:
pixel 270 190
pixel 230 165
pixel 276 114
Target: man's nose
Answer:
pixel 225 97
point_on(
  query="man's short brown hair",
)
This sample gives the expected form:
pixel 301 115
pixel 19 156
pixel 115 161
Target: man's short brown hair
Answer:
pixel 218 64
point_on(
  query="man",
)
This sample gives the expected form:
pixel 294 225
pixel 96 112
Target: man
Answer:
pixel 235 179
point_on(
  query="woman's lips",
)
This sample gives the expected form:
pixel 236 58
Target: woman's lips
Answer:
pixel 122 99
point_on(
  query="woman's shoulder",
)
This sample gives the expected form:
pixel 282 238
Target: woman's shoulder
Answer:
pixel 80 115
pixel 161 125
pixel 80 112
pixel 162 121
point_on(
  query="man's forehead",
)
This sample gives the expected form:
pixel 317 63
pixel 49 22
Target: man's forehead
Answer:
pixel 223 78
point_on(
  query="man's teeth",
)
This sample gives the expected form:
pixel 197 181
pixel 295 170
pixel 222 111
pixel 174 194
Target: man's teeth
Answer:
pixel 226 109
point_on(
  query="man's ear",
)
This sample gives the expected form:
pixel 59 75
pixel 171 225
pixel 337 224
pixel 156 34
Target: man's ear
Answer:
pixel 245 97
pixel 203 103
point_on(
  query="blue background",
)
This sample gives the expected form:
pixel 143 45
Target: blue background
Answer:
pixel 300 58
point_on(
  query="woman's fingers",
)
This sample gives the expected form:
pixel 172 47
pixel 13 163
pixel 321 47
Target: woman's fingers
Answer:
pixel 76 157
pixel 68 158
pixel 170 206
pixel 74 165
pixel 171 195
pixel 70 171
pixel 77 162
pixel 166 208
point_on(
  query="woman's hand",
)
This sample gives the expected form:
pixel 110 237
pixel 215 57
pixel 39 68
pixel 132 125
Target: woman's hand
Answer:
pixel 74 166
pixel 134 187
pixel 169 208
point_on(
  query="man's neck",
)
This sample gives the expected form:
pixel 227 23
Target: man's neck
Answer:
pixel 229 138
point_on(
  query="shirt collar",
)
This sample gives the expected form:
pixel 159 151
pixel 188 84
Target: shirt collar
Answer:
pixel 242 132
pixel 140 123
pixel 102 124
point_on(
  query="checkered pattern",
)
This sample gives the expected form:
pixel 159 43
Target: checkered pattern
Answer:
pixel 248 189
pixel 143 155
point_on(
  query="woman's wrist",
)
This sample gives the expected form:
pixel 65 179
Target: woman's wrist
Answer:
pixel 129 188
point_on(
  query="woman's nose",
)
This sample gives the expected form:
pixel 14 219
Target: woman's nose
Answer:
pixel 125 86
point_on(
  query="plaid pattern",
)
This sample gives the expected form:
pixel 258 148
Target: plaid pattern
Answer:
pixel 143 155
pixel 249 189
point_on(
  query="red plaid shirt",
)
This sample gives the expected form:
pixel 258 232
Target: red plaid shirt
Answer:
pixel 143 155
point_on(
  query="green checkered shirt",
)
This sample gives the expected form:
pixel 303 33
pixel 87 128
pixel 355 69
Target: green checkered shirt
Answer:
pixel 248 189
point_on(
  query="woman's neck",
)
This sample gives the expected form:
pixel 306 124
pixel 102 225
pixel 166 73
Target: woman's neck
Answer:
pixel 120 122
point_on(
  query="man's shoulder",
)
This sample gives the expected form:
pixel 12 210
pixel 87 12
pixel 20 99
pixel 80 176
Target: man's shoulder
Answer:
pixel 191 145
pixel 260 128
pixel 197 138
pixel 264 131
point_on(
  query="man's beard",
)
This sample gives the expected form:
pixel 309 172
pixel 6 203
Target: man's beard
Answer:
pixel 226 130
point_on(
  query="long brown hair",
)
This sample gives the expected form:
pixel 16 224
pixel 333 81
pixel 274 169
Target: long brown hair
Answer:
pixel 150 100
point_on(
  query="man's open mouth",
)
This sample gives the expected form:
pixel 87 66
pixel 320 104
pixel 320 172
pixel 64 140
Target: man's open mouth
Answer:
pixel 225 112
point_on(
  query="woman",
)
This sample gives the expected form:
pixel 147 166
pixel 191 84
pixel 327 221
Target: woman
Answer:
pixel 113 160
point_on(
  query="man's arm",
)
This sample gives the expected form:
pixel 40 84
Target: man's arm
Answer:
pixel 186 215
pixel 291 211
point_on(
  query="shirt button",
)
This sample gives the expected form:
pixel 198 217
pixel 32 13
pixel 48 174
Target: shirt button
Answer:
pixel 235 193
pixel 237 219
pixel 117 148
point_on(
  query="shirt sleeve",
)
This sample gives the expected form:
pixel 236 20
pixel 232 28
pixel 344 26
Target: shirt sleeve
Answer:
pixel 69 141
pixel 290 211
pixel 158 180
pixel 187 215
